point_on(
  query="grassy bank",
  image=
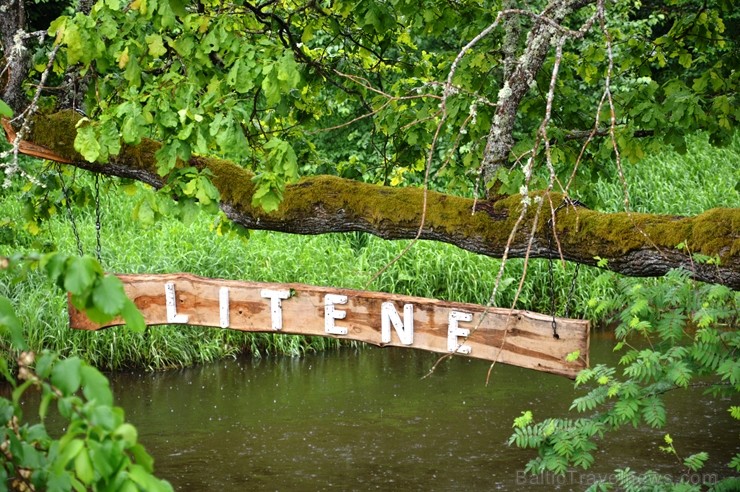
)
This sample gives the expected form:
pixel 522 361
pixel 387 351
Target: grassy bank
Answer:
pixel 667 183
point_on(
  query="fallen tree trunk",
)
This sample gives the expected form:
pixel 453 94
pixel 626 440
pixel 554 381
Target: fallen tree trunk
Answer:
pixel 634 244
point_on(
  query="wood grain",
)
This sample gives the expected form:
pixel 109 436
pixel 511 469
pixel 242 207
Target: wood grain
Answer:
pixel 519 338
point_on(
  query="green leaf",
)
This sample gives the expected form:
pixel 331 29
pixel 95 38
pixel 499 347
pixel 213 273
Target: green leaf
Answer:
pixel 685 60
pixel 11 325
pixel 68 450
pixel 20 390
pixel 178 7
pixel 44 404
pixel 207 192
pixel 73 40
pixel 229 136
pixel 103 417
pixel 282 158
pixel 55 264
pixel 241 76
pixel 287 72
pixel 127 433
pixel 83 467
pixel 142 457
pixel 109 296
pixel 147 481
pixel 696 461
pixel 266 197
pixel 271 85
pixel 524 420
pixel 144 213
pixel 735 462
pixel 86 143
pixel 134 319
pixel 654 412
pixel 5 372
pixel 5 110
pixel 66 375
pixel 95 385
pixel 56 28
pixel 106 459
pixel 80 274
pixel 6 410
pixel 156 46
pixel 167 156
pixel 134 126
pixel 45 364
pixel 109 139
pixel 190 187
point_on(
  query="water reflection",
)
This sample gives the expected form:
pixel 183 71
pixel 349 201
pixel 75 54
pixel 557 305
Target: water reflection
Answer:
pixel 363 420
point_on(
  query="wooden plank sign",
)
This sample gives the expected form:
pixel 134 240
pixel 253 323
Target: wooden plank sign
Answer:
pixel 519 338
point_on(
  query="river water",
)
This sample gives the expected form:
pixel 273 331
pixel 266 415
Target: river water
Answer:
pixel 368 420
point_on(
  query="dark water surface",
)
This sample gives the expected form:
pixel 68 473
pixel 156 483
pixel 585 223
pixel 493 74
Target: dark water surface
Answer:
pixel 359 420
pixel 366 420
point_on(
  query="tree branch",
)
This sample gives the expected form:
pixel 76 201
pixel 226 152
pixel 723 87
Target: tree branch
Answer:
pixel 326 204
pixel 517 84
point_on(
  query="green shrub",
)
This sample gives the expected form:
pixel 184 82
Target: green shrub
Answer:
pixel 98 449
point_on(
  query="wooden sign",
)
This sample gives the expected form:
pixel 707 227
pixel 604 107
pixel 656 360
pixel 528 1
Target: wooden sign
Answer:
pixel 519 338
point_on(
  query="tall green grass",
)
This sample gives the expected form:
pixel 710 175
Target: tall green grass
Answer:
pixel 671 183
pixel 668 183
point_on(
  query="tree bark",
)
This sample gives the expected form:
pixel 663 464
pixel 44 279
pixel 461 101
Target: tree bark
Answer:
pixel 12 23
pixel 519 77
pixel 633 244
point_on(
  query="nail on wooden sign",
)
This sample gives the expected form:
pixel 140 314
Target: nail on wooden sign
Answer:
pixel 519 338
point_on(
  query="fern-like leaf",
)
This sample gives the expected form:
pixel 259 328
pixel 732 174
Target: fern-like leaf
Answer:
pixel 735 463
pixel 654 412
pixel 696 461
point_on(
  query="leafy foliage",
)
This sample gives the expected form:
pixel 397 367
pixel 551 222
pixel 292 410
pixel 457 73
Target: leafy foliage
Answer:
pixel 98 449
pixel 673 334
pixel 278 84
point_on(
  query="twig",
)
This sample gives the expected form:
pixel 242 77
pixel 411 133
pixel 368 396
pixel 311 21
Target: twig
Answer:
pixel 613 126
pixel 25 116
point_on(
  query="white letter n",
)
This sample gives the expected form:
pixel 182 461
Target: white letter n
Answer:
pixel 405 330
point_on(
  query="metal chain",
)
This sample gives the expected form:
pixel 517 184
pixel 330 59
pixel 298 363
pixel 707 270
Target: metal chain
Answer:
pixel 69 212
pixel 552 283
pixel 572 289
pixel 73 222
pixel 565 203
pixel 97 217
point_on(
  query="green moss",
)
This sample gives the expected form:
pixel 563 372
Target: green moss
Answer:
pixel 717 232
pixel 56 132
pixel 234 183
pixel 386 209
pixel 140 156
pixel 713 233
